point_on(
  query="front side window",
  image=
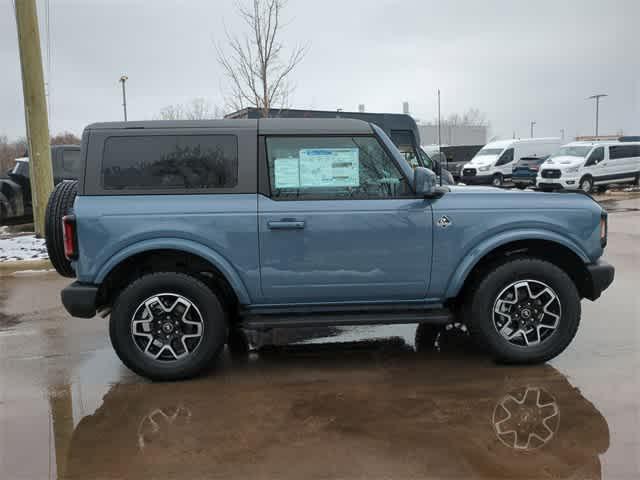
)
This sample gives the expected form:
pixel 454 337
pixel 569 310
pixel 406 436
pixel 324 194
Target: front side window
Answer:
pixel 404 141
pixel 596 156
pixel 170 162
pixel 506 157
pixel 332 168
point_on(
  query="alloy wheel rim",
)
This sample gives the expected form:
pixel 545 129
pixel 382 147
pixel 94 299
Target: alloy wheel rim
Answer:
pixel 527 313
pixel 167 327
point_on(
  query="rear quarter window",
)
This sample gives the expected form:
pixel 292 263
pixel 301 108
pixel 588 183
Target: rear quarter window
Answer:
pixel 170 162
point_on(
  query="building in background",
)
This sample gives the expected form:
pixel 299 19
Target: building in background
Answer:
pixel 454 135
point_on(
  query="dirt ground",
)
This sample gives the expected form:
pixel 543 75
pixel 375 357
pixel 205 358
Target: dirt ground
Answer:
pixel 367 403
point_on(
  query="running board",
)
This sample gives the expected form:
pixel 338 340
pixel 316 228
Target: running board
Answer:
pixel 331 319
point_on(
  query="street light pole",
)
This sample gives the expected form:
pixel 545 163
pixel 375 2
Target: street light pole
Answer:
pixel 123 79
pixel 597 99
pixel 532 124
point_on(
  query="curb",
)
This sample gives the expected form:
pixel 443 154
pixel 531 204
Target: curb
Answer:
pixel 7 268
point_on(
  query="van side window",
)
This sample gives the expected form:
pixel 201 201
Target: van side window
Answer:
pixel 624 151
pixel 596 157
pixel 170 162
pixel 332 168
pixel 506 157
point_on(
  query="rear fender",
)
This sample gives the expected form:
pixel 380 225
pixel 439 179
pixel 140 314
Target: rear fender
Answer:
pixel 179 244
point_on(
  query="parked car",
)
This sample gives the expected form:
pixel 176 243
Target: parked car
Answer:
pixel 583 165
pixel 493 164
pixel 187 232
pixel 456 156
pixel 15 188
pixel 526 170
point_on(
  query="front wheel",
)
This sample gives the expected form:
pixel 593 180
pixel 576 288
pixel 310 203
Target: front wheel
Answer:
pixel 525 310
pixel 167 326
pixel 586 184
pixel 497 180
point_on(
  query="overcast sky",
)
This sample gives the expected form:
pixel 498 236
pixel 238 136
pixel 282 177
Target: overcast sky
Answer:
pixel 516 61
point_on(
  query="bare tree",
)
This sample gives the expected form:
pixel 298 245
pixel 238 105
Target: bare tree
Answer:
pixel 472 117
pixel 65 138
pixel 196 109
pixel 255 63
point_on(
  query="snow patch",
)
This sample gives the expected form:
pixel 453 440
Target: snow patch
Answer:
pixel 21 247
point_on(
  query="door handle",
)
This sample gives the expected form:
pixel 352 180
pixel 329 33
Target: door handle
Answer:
pixel 286 224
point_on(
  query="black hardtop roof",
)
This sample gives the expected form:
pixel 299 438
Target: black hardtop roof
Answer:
pixel 264 125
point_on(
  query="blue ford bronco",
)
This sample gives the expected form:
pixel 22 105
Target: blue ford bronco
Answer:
pixel 187 233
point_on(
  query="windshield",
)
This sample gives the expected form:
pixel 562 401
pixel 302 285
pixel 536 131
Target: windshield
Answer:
pixel 489 151
pixel 572 152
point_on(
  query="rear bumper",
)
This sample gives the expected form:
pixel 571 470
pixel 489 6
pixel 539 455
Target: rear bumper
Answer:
pixel 601 275
pixel 79 299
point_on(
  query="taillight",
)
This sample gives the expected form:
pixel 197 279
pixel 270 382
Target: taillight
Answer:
pixel 603 229
pixel 534 167
pixel 69 237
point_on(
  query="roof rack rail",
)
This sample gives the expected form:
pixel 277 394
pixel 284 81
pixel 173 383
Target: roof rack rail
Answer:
pixel 629 138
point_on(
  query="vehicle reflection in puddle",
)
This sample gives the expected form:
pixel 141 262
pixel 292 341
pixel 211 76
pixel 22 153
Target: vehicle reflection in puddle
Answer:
pixel 379 407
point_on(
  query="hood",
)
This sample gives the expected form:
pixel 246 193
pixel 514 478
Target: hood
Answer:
pixel 567 160
pixel 483 160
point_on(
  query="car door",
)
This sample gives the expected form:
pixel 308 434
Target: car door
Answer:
pixel 596 165
pixel 340 223
pixel 505 163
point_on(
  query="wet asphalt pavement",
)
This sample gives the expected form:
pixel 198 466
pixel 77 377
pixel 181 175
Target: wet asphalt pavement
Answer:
pixel 364 403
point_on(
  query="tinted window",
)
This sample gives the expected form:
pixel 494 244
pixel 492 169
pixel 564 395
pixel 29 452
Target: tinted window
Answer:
pixel 71 166
pixel 624 151
pixel 596 156
pixel 332 168
pixel 506 157
pixel 168 162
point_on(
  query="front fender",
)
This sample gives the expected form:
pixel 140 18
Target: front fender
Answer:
pixel 180 244
pixel 470 260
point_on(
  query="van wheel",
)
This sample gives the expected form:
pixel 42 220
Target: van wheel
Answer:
pixel 59 204
pixel 525 310
pixel 497 180
pixel 167 326
pixel 586 184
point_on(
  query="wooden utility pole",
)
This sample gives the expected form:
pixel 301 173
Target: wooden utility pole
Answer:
pixel 35 107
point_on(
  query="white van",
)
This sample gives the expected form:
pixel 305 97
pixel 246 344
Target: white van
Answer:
pixel 584 165
pixel 494 163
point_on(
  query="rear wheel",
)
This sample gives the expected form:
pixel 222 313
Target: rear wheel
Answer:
pixel 521 186
pixel 60 204
pixel 525 311
pixel 586 184
pixel 167 326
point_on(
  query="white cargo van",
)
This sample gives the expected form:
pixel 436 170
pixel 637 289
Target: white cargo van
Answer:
pixel 494 163
pixel 584 165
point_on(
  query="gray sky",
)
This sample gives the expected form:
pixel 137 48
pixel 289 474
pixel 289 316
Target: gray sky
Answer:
pixel 515 60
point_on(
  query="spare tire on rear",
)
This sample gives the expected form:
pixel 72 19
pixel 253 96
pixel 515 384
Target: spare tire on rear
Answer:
pixel 60 204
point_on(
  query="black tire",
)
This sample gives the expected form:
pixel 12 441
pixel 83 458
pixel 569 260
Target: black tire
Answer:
pixel 586 184
pixel 521 186
pixel 60 204
pixel 497 180
pixel 213 317
pixel 481 324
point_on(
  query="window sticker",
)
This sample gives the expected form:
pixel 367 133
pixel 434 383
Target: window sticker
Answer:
pixel 329 167
pixel 287 172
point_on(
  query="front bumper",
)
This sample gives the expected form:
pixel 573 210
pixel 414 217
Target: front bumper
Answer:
pixel 562 183
pixel 600 276
pixel 476 179
pixel 79 299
